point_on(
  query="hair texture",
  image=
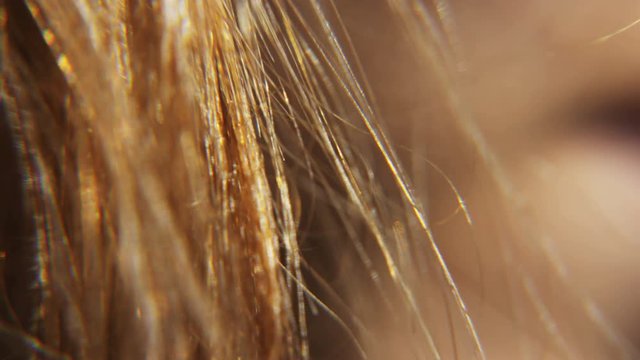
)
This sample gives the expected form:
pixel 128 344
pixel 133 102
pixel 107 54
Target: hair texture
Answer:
pixel 196 179
pixel 165 149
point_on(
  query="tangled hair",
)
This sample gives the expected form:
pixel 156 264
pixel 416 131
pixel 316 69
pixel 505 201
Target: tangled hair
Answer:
pixel 169 152
pixel 210 179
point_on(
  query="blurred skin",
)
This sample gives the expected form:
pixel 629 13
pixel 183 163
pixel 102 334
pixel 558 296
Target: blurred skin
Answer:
pixel 555 94
pixel 557 98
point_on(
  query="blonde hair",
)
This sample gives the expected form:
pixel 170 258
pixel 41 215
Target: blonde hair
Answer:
pixel 177 157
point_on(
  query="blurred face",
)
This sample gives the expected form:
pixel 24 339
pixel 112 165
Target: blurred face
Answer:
pixel 554 88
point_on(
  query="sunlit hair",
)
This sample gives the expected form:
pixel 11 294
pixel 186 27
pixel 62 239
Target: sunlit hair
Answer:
pixel 176 159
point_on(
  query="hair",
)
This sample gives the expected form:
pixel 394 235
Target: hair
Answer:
pixel 212 179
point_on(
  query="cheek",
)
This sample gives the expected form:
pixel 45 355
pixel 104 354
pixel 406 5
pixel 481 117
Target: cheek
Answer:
pixel 608 173
pixel 584 195
pixel 594 179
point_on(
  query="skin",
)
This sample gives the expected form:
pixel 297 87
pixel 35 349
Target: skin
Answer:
pixel 552 88
pixel 555 66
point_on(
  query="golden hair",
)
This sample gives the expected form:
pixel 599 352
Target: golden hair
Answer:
pixel 163 145
pixel 177 157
